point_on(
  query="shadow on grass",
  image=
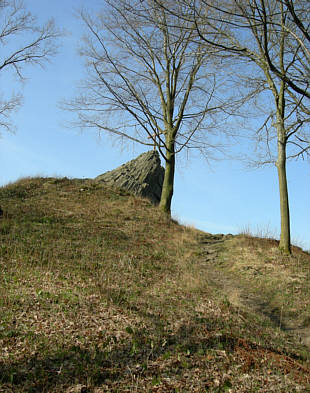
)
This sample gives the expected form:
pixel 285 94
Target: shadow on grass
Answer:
pixel 56 370
pixel 96 366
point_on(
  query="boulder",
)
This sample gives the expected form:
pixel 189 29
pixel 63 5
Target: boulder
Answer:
pixel 143 176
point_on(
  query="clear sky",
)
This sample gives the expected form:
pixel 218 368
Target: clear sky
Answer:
pixel 220 197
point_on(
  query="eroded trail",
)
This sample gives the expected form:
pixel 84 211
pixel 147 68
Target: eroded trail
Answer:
pixel 241 292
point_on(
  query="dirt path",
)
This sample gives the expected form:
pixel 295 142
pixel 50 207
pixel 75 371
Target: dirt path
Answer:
pixel 238 293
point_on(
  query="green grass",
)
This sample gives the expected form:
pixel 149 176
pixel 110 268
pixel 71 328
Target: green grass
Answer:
pixel 100 290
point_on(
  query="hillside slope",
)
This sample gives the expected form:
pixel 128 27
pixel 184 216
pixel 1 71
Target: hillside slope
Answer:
pixel 101 292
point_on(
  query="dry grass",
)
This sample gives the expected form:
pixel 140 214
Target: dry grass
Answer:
pixel 276 285
pixel 100 292
pixel 284 280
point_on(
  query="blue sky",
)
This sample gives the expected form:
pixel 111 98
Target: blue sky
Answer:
pixel 220 197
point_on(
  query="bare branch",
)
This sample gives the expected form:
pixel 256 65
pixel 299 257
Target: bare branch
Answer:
pixel 22 43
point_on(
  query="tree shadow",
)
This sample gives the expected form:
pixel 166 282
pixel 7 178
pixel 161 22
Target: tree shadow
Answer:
pixel 57 369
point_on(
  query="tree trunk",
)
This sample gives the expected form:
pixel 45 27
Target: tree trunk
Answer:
pixel 167 190
pixel 285 238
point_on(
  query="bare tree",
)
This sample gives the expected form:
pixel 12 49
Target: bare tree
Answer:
pixel 264 33
pixel 22 42
pixel 149 81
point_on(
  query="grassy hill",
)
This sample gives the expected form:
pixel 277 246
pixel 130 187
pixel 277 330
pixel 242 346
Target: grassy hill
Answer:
pixel 100 292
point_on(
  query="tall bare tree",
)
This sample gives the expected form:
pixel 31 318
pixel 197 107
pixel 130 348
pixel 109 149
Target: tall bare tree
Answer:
pixel 22 43
pixel 264 33
pixel 149 81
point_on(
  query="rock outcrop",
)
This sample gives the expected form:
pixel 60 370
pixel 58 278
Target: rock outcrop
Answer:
pixel 142 176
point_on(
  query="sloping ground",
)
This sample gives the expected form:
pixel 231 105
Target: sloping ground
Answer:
pixel 260 278
pixel 100 292
pixel 252 274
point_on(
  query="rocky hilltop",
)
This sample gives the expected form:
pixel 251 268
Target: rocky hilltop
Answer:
pixel 142 176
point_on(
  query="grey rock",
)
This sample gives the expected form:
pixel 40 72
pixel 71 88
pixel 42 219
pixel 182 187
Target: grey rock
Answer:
pixel 143 176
